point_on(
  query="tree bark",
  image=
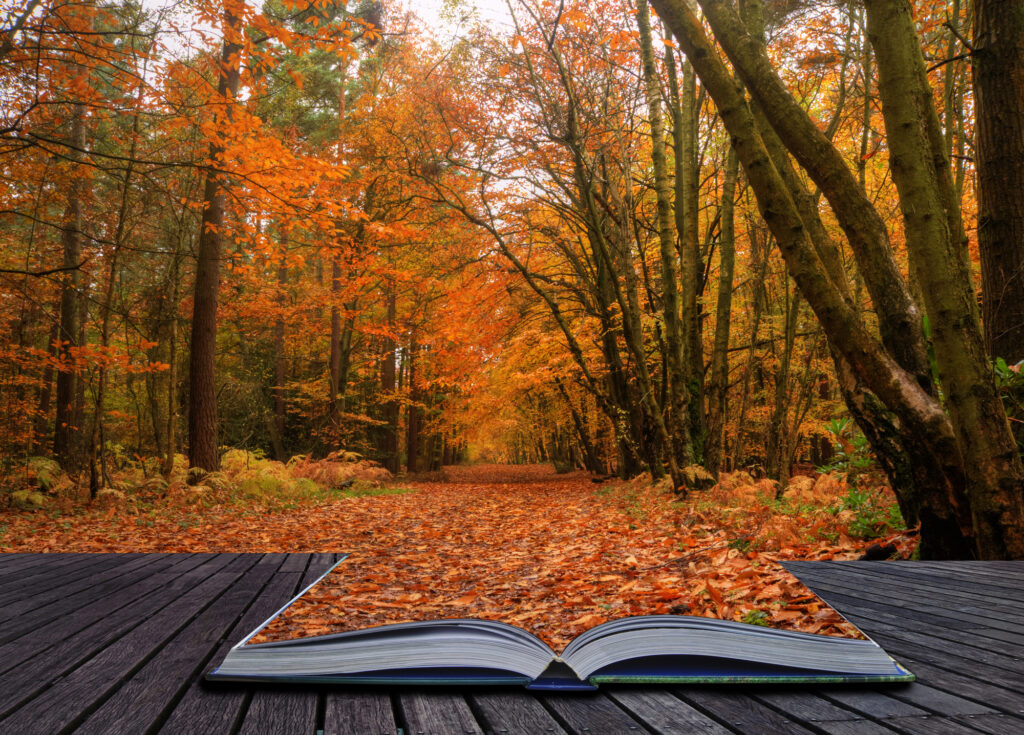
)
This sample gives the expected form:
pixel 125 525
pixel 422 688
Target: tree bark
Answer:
pixel 202 404
pixel 998 80
pixel 678 418
pixel 719 383
pixel 65 430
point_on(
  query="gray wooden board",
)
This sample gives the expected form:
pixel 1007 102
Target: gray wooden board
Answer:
pixel 15 570
pixel 141 700
pixel 294 708
pixel 70 697
pixel 663 712
pixel 122 642
pixel 437 713
pixel 593 714
pixel 41 588
pixel 367 712
pixel 513 712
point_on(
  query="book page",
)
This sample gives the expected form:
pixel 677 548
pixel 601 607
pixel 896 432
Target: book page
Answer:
pixel 552 555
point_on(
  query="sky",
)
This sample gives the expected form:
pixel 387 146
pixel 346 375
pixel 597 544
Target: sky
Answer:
pixel 495 12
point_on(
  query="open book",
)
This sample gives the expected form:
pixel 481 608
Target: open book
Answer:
pixel 653 649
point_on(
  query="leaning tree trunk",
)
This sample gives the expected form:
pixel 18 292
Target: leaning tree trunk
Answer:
pixel 922 176
pixel 202 401
pixel 998 77
pixel 899 389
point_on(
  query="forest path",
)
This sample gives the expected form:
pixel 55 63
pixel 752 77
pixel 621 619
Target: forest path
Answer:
pixel 549 552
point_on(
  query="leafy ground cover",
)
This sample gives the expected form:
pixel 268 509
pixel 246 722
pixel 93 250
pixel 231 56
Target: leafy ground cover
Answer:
pixel 552 553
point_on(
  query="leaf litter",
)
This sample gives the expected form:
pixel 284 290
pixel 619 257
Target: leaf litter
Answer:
pixel 546 552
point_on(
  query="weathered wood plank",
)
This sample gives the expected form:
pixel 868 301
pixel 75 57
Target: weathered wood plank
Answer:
pixel 214 707
pixel 16 566
pixel 63 703
pixel 871 702
pixel 280 713
pixel 368 712
pixel 664 713
pixel 141 701
pixel 933 726
pixel 512 712
pixel 46 586
pixel 994 724
pixel 945 606
pixel 38 665
pixel 594 714
pixel 138 583
pixel 293 710
pixel 52 602
pixel 437 713
pixel 738 710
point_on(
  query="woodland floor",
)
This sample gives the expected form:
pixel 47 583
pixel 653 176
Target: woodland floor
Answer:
pixel 552 553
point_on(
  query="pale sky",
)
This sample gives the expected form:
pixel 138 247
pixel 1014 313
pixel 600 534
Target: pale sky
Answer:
pixel 495 12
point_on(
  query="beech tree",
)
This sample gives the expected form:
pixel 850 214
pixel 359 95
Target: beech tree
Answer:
pixel 972 443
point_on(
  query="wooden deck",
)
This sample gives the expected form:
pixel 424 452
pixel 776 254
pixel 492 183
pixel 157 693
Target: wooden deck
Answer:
pixel 117 643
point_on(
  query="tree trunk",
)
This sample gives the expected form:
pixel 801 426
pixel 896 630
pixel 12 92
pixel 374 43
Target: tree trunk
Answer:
pixel 900 390
pixel 719 383
pixel 920 170
pixel 678 417
pixel 280 366
pixel 687 176
pixel 998 78
pixel 202 403
pixel 388 376
pixel 413 413
pixel 64 431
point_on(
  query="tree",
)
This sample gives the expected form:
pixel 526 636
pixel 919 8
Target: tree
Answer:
pixel 991 473
pixel 997 56
pixel 202 401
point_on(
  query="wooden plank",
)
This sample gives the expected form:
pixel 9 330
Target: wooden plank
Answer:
pixel 950 601
pixel 367 712
pixel 290 707
pixel 854 727
pixel 594 714
pixel 45 583
pixel 279 715
pixel 137 584
pixel 933 726
pixel 141 701
pixel 895 594
pixel 514 712
pixel 14 566
pixel 808 707
pixel 662 712
pixel 966 641
pixel 739 711
pixel 871 702
pixel 54 602
pixel 994 724
pixel 437 713
pixel 1002 695
pixel 213 708
pixel 36 668
pixel 63 703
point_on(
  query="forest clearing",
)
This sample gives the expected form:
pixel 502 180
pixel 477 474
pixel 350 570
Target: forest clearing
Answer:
pixel 294 275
